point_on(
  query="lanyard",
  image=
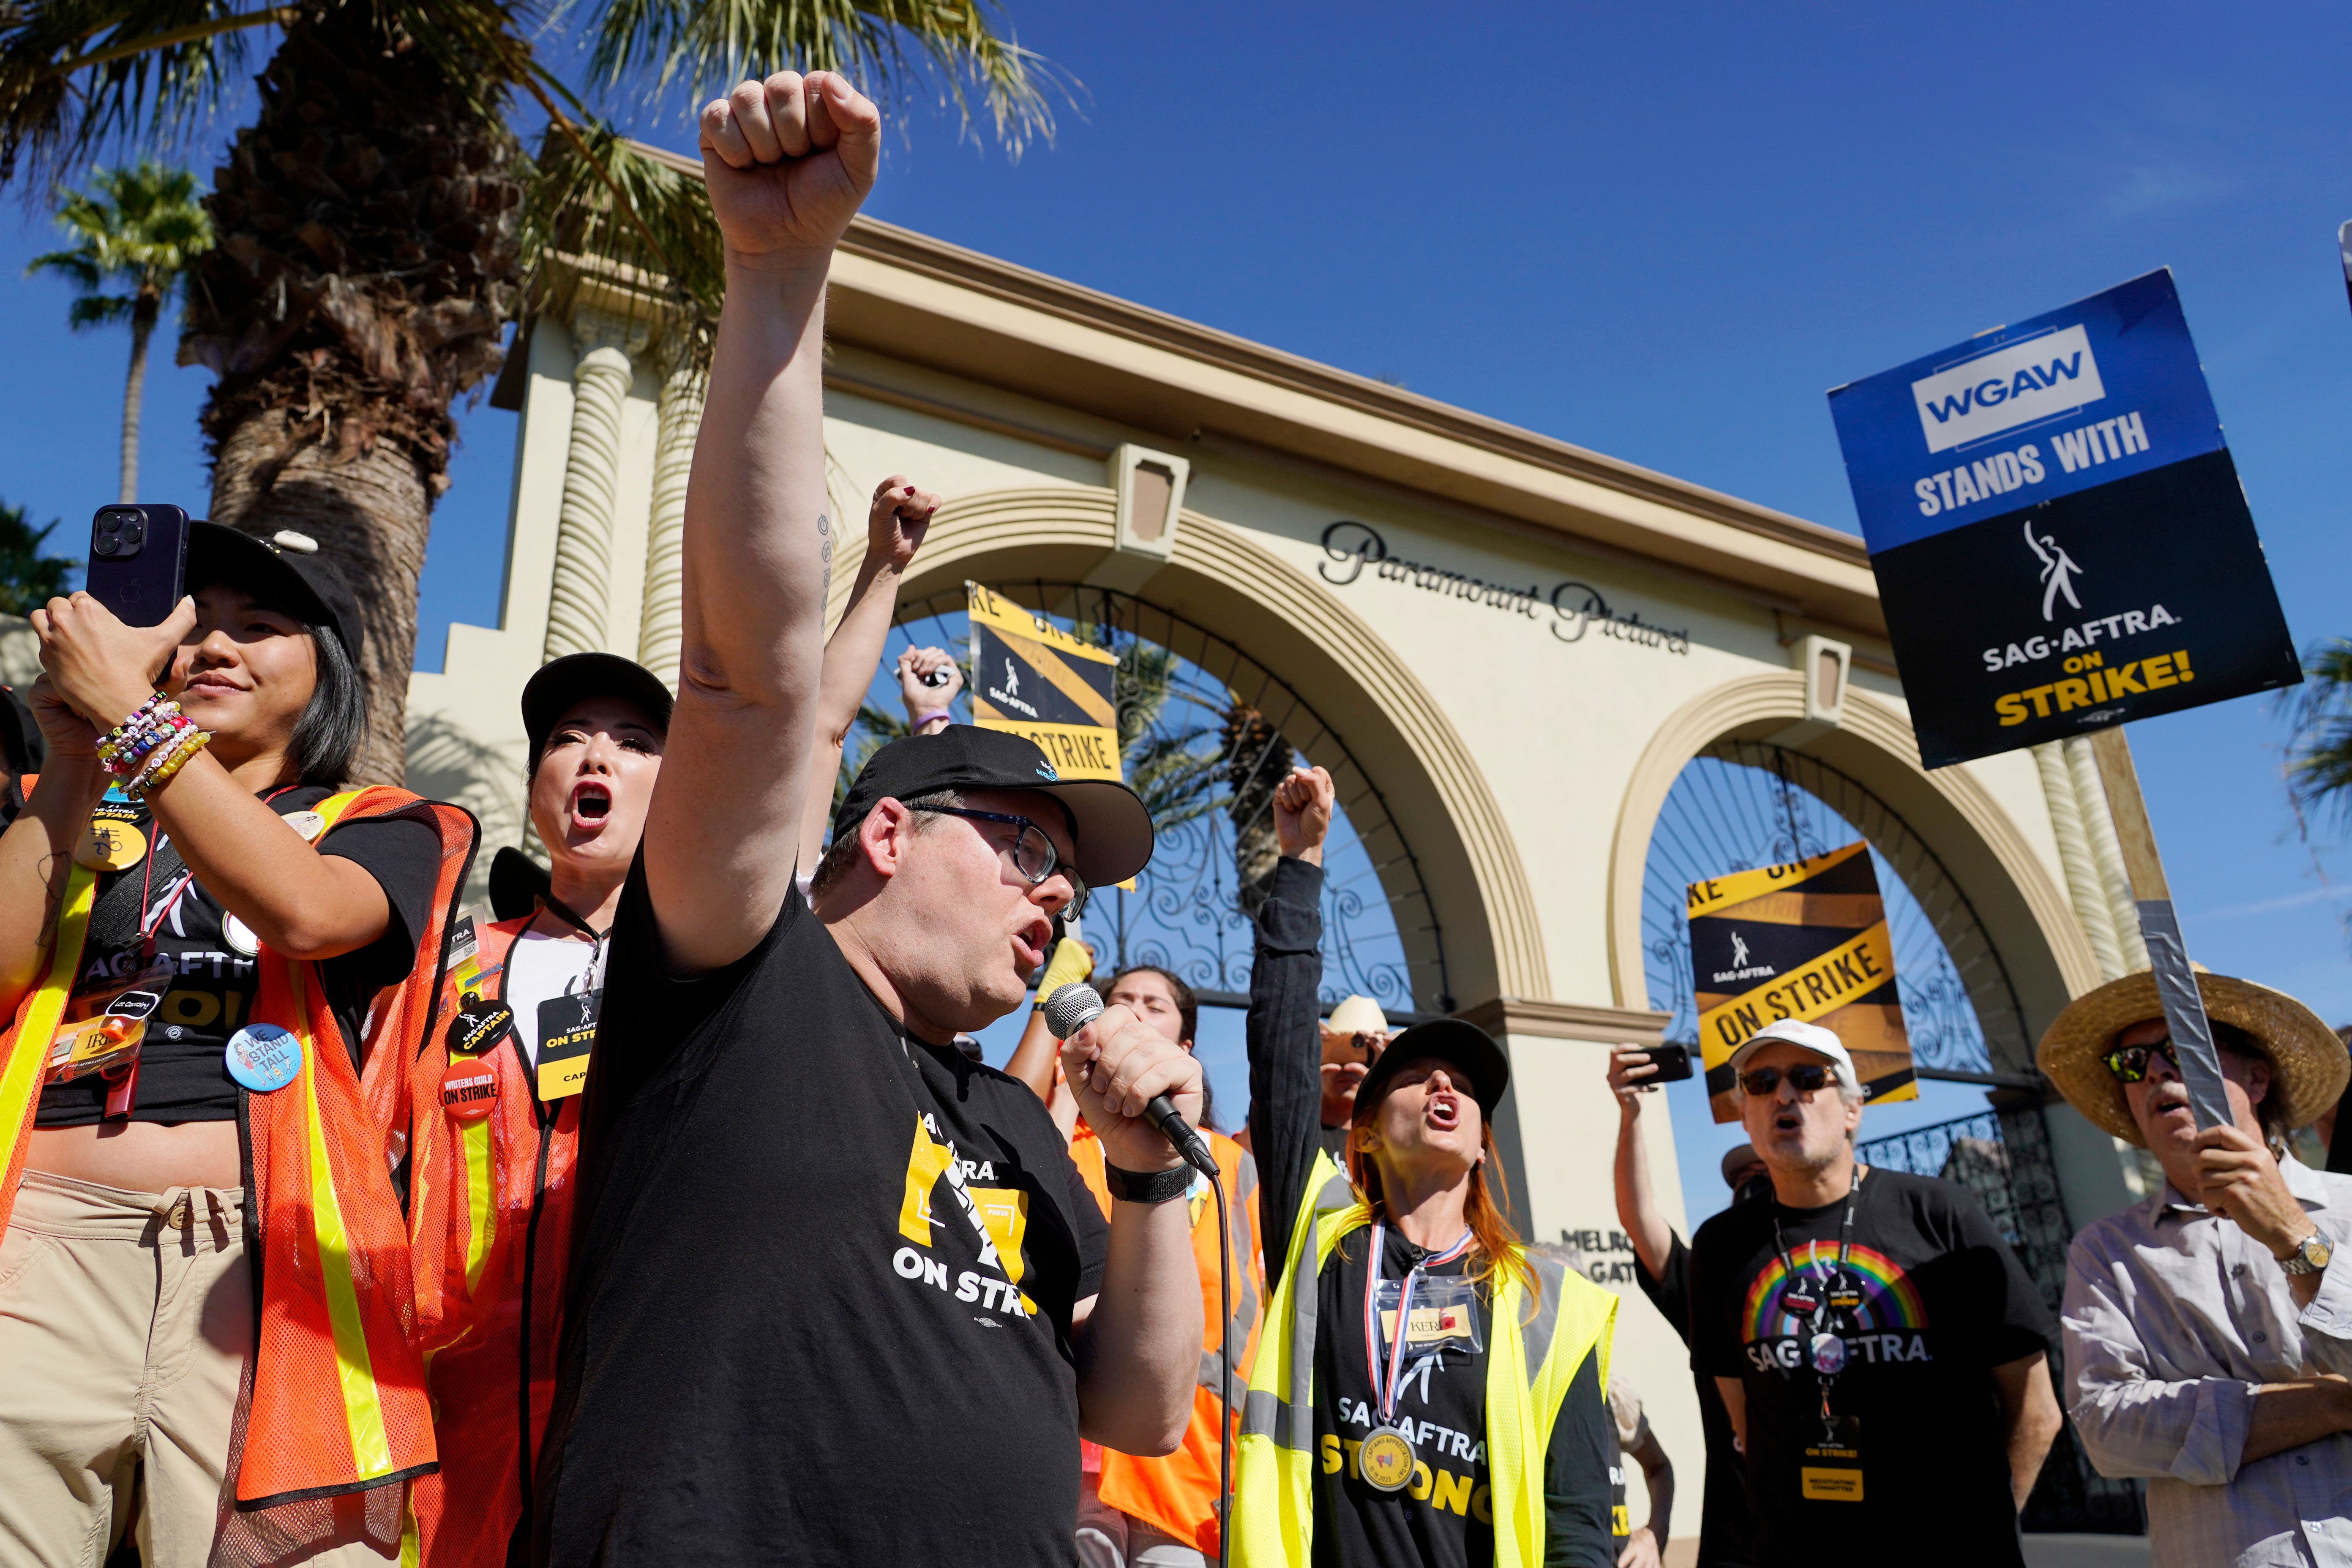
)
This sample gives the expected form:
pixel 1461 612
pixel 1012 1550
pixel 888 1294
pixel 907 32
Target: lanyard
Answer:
pixel 1845 1235
pixel 563 913
pixel 151 924
pixel 1385 1391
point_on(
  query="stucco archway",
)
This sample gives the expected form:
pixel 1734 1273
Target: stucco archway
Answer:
pixel 2022 910
pixel 1217 579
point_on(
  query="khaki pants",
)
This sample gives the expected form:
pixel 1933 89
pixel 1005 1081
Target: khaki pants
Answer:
pixel 125 1318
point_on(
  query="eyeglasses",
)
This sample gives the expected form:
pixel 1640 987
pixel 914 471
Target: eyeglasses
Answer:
pixel 1804 1078
pixel 2129 1063
pixel 1033 855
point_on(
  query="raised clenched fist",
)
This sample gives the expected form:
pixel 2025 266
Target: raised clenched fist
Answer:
pixel 1302 814
pixel 898 518
pixel 788 161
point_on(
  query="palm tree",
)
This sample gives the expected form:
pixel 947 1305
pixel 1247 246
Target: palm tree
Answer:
pixel 2319 751
pixel 140 228
pixel 29 579
pixel 380 224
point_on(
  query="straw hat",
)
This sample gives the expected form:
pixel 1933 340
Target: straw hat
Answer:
pixel 1357 1015
pixel 2305 1052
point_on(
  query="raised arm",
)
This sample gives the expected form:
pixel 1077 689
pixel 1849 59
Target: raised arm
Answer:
pixel 1286 1045
pixel 1637 1207
pixel 895 525
pixel 787 161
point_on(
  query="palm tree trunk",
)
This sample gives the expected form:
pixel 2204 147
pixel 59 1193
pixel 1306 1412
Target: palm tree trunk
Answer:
pixel 134 391
pixel 366 264
pixel 370 510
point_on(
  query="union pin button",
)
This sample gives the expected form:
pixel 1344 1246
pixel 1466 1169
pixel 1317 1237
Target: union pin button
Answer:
pixel 263 1057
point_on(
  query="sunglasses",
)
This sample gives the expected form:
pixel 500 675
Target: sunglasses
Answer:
pixel 2129 1063
pixel 1032 851
pixel 1804 1078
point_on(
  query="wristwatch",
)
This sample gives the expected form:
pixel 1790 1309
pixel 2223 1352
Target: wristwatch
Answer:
pixel 2309 1256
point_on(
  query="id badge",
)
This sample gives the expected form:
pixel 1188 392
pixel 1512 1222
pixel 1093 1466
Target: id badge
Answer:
pixel 115 1025
pixel 466 972
pixel 1444 1315
pixel 567 1029
pixel 1831 1470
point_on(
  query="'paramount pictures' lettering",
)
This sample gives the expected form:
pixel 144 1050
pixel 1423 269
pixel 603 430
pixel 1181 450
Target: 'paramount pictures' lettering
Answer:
pixel 1574 607
pixel 1806 940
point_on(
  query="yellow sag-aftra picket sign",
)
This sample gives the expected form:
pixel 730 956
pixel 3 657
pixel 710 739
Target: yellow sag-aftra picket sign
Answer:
pixel 1030 676
pixel 1806 940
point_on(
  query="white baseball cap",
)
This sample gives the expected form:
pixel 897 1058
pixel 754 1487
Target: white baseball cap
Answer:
pixel 1805 1038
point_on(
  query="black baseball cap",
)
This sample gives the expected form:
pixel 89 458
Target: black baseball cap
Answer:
pixel 1460 1042
pixel 559 683
pixel 1111 825
pixel 284 568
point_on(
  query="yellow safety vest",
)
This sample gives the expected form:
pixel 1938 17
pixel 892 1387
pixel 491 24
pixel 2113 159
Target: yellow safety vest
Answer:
pixel 1527 1376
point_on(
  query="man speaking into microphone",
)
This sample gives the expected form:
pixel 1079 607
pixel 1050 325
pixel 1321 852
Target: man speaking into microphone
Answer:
pixel 838 1295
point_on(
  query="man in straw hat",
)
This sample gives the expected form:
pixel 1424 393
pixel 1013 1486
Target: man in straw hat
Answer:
pixel 2206 1337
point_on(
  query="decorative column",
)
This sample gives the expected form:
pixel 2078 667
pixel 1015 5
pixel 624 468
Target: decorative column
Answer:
pixel 685 382
pixel 2082 885
pixel 580 592
pixel 2107 851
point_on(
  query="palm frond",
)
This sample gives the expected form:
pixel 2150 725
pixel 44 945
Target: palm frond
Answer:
pixel 596 193
pixel 885 46
pixel 77 74
pixel 79 267
pixel 92 311
pixel 2319 750
pixel 29 579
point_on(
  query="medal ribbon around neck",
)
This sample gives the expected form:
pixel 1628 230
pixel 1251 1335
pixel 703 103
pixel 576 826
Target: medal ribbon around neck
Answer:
pixel 1385 1392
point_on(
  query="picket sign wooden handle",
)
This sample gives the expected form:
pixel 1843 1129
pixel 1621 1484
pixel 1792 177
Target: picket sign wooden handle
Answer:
pixel 2125 804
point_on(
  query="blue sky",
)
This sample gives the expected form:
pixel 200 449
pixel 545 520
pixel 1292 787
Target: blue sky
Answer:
pixel 1662 233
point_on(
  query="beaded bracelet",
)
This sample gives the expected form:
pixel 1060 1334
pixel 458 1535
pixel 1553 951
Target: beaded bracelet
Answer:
pixel 134 774
pixel 151 723
pixel 165 764
pixel 122 756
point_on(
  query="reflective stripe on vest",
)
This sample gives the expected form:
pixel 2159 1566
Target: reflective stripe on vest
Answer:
pixel 333 1399
pixel 25 1064
pixel 1529 1374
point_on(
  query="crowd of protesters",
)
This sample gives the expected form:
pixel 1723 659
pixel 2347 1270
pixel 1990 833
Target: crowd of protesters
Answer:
pixel 669 1215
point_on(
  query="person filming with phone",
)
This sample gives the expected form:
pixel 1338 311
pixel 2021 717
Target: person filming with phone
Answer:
pixel 1426 1390
pixel 197 930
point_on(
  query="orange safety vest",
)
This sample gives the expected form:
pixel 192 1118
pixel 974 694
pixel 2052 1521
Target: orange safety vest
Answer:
pixel 1177 1493
pixel 489 1224
pixel 332 1399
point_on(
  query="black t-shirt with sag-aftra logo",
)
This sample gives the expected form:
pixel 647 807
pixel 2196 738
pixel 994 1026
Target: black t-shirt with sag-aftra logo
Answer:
pixel 822 1281
pixel 1933 1299
pixel 182 1066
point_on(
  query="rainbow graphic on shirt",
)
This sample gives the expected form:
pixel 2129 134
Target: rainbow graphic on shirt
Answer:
pixel 1889 1300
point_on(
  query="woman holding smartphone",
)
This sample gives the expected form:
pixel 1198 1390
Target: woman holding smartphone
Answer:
pixel 205 1286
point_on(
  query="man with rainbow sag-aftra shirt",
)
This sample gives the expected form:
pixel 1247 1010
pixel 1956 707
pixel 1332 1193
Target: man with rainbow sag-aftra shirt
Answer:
pixel 1882 1354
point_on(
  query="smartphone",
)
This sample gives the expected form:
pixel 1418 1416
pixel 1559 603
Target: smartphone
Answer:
pixel 138 555
pixel 1672 1063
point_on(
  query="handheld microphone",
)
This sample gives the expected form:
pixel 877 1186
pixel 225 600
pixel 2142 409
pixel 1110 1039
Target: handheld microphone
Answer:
pixel 1071 1008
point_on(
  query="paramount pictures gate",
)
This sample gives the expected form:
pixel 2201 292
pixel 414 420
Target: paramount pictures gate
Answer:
pixel 1511 650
